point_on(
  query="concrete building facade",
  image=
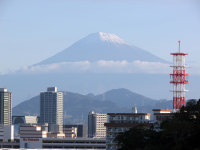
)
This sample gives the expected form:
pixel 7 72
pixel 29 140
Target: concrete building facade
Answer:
pixel 31 136
pixel 70 132
pixel 24 119
pixel 64 143
pixel 81 129
pixel 5 107
pixel 96 128
pixel 160 115
pixel 51 109
pixel 6 133
pixel 121 122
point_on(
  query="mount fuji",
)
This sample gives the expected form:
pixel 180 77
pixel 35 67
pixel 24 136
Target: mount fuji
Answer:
pixel 102 46
pixel 94 64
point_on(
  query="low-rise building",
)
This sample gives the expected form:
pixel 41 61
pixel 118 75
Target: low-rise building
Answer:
pixel 25 119
pixel 121 122
pixel 77 143
pixel 160 115
pixel 81 129
pixel 7 137
pixel 64 143
pixel 31 136
pixel 55 135
pixel 70 132
pixel 32 131
pixel 6 133
pixel 10 144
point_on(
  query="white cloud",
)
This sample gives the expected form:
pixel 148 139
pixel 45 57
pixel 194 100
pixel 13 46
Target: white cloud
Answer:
pixel 134 67
pixel 101 66
pixel 79 66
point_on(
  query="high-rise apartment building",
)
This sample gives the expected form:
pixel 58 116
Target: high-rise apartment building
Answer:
pixel 5 107
pixel 96 126
pixel 51 109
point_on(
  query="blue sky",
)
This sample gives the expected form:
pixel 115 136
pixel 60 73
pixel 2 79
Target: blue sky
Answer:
pixel 33 30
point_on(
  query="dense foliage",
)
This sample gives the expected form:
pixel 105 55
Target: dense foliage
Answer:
pixel 181 132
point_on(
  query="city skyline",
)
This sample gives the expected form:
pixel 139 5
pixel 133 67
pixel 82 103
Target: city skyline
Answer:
pixel 120 67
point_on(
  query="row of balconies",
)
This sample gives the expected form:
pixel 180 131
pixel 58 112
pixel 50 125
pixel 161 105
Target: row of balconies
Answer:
pixel 125 118
pixel 117 129
pixel 128 121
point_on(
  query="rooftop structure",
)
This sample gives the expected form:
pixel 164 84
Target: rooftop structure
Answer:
pixel 25 119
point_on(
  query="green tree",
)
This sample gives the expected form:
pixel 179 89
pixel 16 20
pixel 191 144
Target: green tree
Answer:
pixel 181 132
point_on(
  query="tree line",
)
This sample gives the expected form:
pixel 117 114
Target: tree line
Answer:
pixel 180 132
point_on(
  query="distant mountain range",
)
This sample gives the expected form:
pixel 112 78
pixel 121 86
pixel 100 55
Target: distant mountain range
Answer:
pixel 77 106
pixel 94 64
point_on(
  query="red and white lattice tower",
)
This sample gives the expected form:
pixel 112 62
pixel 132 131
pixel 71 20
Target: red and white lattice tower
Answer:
pixel 179 78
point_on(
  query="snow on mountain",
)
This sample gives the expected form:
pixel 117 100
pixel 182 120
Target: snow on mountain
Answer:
pixel 109 37
pixel 102 46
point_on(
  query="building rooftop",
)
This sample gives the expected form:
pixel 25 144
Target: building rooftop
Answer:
pixel 127 124
pixel 129 114
pixel 52 89
pixel 3 90
pixel 161 110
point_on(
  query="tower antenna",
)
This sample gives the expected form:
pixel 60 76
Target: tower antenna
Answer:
pixel 179 79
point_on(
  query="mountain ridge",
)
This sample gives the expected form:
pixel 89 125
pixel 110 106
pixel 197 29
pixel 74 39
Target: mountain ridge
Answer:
pixel 77 106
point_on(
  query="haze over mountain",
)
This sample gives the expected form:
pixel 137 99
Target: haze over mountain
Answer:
pixel 126 98
pixel 77 106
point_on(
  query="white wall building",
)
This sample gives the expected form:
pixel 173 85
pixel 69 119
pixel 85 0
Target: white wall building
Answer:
pixel 96 126
pixel 31 136
pixel 24 119
pixel 121 122
pixel 6 133
pixel 160 115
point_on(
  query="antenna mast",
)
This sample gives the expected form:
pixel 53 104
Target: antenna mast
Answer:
pixel 179 79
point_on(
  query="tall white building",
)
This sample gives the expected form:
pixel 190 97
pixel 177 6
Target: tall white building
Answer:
pixel 51 109
pixel 96 128
pixel 5 107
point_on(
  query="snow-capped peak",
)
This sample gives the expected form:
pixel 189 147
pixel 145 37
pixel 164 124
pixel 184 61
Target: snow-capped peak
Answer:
pixel 109 37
